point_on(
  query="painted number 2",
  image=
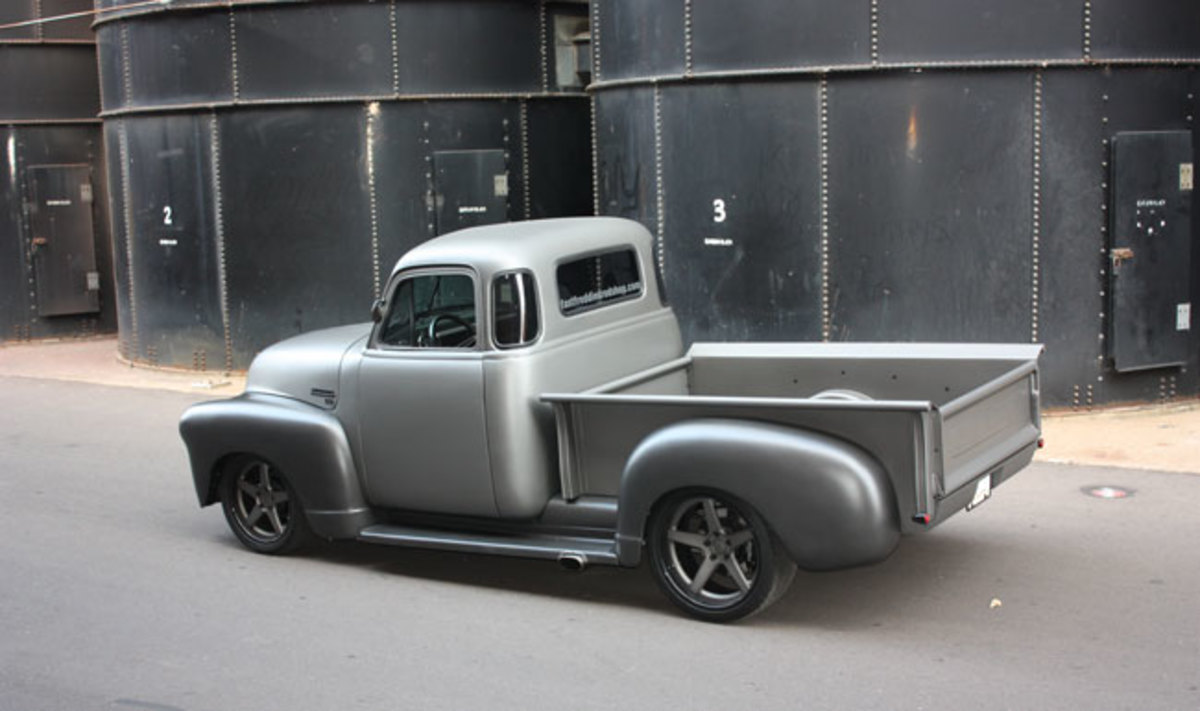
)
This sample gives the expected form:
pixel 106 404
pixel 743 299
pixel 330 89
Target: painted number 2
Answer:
pixel 167 216
pixel 719 210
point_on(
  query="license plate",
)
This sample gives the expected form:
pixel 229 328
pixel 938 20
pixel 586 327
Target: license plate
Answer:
pixel 983 491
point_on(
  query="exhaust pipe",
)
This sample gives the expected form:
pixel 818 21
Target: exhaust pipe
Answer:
pixel 572 561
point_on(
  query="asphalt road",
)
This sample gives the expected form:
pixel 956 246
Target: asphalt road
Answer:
pixel 118 592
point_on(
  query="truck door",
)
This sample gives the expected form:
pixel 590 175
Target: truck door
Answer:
pixel 420 388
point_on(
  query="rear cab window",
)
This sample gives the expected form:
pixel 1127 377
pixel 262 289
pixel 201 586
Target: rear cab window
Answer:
pixel 598 280
pixel 515 319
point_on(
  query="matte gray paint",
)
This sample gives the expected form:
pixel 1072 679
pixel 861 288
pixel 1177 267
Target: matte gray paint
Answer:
pixel 306 443
pixel 745 418
pixel 830 503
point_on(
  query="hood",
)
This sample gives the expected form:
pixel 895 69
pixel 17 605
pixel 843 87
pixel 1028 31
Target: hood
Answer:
pixel 306 367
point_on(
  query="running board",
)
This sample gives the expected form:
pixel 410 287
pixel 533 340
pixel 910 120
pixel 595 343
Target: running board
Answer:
pixel 571 551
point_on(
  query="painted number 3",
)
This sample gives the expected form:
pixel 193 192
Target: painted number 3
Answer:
pixel 167 216
pixel 719 210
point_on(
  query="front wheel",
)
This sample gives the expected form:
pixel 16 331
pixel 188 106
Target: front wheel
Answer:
pixel 261 507
pixel 714 556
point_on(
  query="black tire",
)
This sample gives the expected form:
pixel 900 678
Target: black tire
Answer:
pixel 262 508
pixel 714 557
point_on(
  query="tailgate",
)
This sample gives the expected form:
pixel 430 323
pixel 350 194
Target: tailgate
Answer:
pixel 990 424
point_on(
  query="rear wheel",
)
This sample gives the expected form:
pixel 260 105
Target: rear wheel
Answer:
pixel 714 556
pixel 261 507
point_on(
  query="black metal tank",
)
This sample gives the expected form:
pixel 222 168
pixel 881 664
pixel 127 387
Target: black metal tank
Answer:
pixel 271 160
pixel 941 170
pixel 55 248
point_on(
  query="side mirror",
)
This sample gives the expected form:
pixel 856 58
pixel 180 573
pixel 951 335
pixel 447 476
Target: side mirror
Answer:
pixel 377 311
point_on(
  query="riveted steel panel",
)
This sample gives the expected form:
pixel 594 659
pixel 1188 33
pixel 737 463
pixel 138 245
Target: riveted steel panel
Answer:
pixel 495 47
pixel 1150 238
pixel 48 82
pixel 111 66
pixel 742 233
pixel 560 159
pixel 177 295
pixel 1072 241
pixel 470 189
pixel 297 222
pixel 339 49
pixel 14 11
pixel 22 148
pixel 625 168
pixel 76 28
pixel 965 30
pixel 632 41
pixel 117 168
pixel 63 243
pixel 779 33
pixel 930 207
pixel 1154 29
pixel 182 58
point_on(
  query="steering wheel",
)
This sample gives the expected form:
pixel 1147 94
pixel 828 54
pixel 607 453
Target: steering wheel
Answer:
pixel 465 342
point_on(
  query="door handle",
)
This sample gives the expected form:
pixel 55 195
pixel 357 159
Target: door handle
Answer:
pixel 1120 254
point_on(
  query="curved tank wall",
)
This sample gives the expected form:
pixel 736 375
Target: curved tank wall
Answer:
pixel 55 249
pixel 917 170
pixel 272 160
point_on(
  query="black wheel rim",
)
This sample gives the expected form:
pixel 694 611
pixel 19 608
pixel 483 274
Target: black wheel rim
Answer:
pixel 712 553
pixel 261 503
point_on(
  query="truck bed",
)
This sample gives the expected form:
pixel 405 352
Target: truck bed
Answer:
pixel 939 417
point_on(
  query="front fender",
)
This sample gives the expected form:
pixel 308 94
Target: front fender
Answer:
pixel 308 444
pixel 830 503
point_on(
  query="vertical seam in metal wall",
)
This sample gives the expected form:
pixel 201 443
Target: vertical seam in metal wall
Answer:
pixel 123 141
pixel 594 31
pixel 687 38
pixel 543 49
pixel 372 109
pixel 826 316
pixel 38 32
pixel 126 72
pixel 874 32
pixel 526 178
pixel 219 233
pixel 1035 257
pixel 1087 30
pixel 392 25
pixel 233 55
pixel 595 161
pixel 660 199
pixel 1104 259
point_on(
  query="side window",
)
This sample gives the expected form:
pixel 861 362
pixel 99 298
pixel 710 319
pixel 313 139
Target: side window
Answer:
pixel 431 311
pixel 598 280
pixel 514 310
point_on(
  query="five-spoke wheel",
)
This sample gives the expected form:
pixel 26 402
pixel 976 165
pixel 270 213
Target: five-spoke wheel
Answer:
pixel 714 556
pixel 261 507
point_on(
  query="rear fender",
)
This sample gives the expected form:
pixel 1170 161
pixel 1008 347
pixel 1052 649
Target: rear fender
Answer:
pixel 308 444
pixel 830 503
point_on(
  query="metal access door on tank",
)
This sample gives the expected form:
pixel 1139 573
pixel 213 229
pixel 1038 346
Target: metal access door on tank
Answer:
pixel 471 189
pixel 1150 249
pixel 63 243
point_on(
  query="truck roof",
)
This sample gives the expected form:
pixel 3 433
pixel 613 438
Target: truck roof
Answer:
pixel 532 244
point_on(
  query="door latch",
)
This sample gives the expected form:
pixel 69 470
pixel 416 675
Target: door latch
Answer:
pixel 1120 254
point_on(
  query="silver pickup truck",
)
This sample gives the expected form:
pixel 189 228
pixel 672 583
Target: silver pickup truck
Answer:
pixel 524 391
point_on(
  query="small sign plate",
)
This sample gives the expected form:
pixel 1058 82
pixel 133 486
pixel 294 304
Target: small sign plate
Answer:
pixel 1186 176
pixel 1183 317
pixel 93 281
pixel 983 491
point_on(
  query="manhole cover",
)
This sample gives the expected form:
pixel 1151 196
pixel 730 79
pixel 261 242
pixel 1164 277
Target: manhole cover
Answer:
pixel 1108 492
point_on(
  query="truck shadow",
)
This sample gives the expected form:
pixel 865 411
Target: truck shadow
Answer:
pixel 925 577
